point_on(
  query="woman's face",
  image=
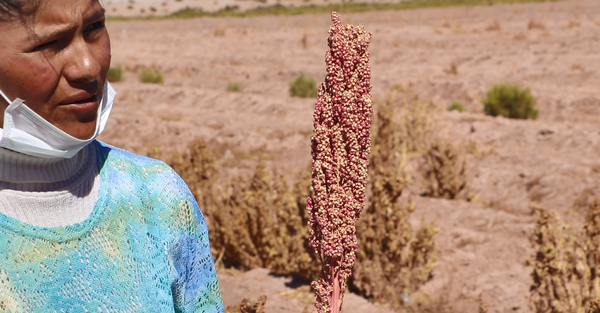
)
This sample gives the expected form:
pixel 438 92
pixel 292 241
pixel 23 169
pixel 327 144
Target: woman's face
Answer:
pixel 57 61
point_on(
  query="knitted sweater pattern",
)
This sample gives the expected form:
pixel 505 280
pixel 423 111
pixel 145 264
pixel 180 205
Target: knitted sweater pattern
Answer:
pixel 144 248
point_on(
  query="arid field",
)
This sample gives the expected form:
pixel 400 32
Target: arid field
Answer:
pixel 438 55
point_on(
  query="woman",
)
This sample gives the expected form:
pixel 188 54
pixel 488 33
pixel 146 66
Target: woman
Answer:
pixel 85 227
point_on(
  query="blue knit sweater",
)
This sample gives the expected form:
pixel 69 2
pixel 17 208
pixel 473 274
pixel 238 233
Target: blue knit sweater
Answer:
pixel 144 248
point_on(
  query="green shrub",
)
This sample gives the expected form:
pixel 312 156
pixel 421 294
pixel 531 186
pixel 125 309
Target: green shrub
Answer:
pixel 303 87
pixel 149 75
pixel 457 106
pixel 234 86
pixel 115 74
pixel 510 101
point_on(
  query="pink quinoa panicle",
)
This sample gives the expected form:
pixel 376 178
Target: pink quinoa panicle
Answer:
pixel 340 145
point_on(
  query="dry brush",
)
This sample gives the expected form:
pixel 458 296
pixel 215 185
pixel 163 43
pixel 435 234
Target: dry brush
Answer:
pixel 566 263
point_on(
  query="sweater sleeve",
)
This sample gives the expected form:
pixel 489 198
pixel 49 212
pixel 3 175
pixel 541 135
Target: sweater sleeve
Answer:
pixel 196 287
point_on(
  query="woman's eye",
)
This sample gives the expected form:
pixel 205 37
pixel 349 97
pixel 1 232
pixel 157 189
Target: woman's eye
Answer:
pixel 45 45
pixel 95 26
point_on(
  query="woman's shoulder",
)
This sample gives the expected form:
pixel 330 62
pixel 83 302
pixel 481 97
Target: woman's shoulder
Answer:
pixel 109 153
pixel 137 178
pixel 122 166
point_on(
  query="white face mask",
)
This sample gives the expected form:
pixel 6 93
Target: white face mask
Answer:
pixel 28 133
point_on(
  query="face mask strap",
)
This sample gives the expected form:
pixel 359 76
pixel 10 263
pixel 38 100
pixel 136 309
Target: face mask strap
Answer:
pixel 5 97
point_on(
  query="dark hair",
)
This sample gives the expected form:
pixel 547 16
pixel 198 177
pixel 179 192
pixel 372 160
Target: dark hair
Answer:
pixel 16 9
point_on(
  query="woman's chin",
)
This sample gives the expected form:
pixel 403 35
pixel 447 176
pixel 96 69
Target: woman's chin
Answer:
pixel 82 132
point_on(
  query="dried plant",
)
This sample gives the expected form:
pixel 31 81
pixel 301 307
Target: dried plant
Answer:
pixel 444 170
pixel 392 259
pixel 260 225
pixel 254 222
pixel 535 24
pixel 591 231
pixel 452 69
pixel 566 263
pixel 199 170
pixel 482 307
pixel 594 306
pixel 417 122
pixel 249 306
pixel 493 26
pixel 340 147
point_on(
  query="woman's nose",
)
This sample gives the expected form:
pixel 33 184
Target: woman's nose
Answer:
pixel 81 63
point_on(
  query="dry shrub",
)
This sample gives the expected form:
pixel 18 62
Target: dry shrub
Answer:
pixel 535 24
pixel 493 26
pixel 417 120
pixel 392 260
pixel 444 170
pixel 304 40
pixel 594 306
pixel 219 32
pixel 254 222
pixel 482 307
pixel 520 37
pixel 249 306
pixel 573 24
pixel 198 169
pixel 261 224
pixel 452 69
pixel 566 263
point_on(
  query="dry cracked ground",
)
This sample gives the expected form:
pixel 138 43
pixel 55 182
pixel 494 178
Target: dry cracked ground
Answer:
pixel 451 54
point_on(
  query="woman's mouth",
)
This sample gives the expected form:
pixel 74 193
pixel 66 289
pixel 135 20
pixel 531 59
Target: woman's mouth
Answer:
pixel 85 104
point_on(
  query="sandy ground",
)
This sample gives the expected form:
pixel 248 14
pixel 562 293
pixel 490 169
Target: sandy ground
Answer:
pixel 551 48
pixel 129 8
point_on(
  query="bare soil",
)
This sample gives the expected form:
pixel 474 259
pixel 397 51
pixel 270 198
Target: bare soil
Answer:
pixel 445 55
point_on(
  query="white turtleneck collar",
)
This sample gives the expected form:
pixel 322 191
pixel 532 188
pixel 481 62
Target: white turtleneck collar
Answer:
pixel 28 173
pixel 48 192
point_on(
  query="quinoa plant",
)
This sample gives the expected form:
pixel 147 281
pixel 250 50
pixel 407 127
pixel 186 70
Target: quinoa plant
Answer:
pixel 340 146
